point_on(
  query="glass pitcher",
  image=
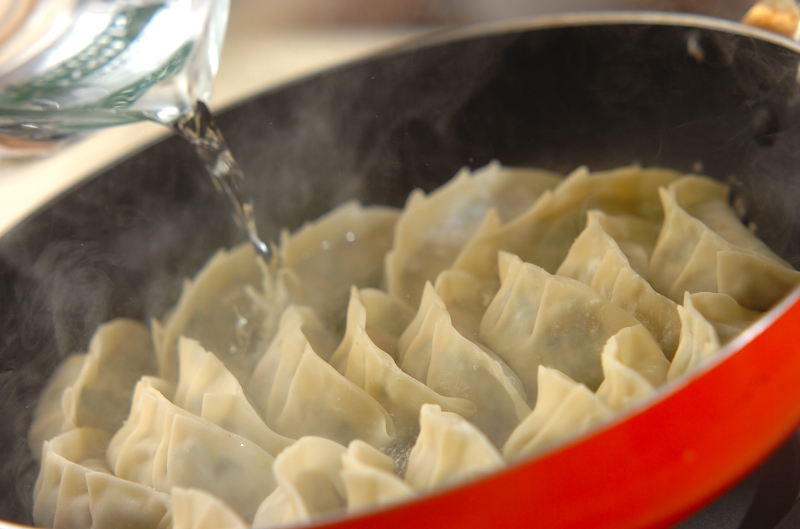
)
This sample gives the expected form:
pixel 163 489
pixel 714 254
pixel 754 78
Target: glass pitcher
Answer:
pixel 68 66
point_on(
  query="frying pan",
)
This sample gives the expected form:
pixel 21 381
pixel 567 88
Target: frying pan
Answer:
pixel 599 89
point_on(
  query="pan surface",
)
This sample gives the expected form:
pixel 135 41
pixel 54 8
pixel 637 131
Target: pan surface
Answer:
pixel 676 91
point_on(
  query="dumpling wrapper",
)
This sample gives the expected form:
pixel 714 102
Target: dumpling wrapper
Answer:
pixel 543 234
pixel 714 253
pixel 387 318
pixel 198 509
pixel 206 388
pixel 432 229
pixel 219 308
pixel 76 490
pixel 286 386
pixel 448 449
pixel 699 341
pixel 461 368
pixel 120 352
pixel 595 259
pixel 48 418
pixel 369 479
pixel 309 480
pixel 725 314
pixel 541 319
pixel 622 386
pixel 414 345
pixel 324 258
pixel 376 372
pixel 564 408
pixel 172 447
pixel 466 299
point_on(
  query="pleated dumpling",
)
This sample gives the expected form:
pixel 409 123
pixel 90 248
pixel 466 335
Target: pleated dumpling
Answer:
pixel 466 298
pixel 461 368
pixel 541 319
pixel 635 348
pixel 49 415
pixel 60 495
pixel 206 388
pixel 596 260
pixel 414 345
pixel 198 509
pixel 169 446
pixel 120 352
pixel 713 251
pixel 724 313
pixel 369 479
pixel 286 386
pixel 387 318
pixel 432 229
pixel 323 259
pixel 699 341
pixel 308 475
pixel 636 236
pixel 543 234
pixel 633 367
pixel 448 449
pixel 76 490
pixel 362 362
pixel 564 408
pixel 114 502
pixel 219 308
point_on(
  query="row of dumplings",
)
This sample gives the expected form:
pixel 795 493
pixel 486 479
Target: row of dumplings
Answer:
pixel 390 352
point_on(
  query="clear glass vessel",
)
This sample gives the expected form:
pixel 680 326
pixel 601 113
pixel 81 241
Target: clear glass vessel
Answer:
pixel 68 66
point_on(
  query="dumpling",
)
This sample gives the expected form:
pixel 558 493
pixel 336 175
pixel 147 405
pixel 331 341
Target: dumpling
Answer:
pixel 203 455
pixel 714 253
pixel 201 372
pixel 120 352
pixel 369 479
pixel 206 388
pixel 387 318
pixel 323 259
pixel 114 502
pixel 49 415
pixel 448 449
pixel 699 341
pixel 172 447
pixel 596 260
pixel 634 347
pixel 622 385
pixel 88 495
pixel 376 372
pixel 543 234
pixel 234 413
pixel 541 319
pixel 145 384
pixel 635 236
pixel 197 509
pixel 432 229
pixel 414 346
pixel 461 368
pixel 728 317
pixel 308 475
pixel 76 490
pixel 564 408
pixel 466 298
pixel 286 386
pixel 219 309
